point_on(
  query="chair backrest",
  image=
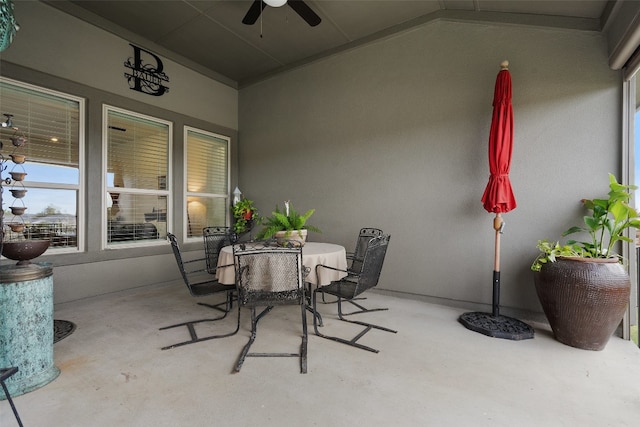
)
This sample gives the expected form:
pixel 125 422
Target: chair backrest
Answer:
pixel 372 263
pixel 364 236
pixel 215 238
pixel 268 275
pixel 176 252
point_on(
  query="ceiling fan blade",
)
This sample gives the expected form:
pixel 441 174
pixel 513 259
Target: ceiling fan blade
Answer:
pixel 305 12
pixel 254 12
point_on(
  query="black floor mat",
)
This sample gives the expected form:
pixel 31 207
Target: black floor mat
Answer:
pixel 62 329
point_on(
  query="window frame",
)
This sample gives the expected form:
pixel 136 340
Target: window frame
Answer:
pixel 167 192
pixel 80 187
pixel 187 194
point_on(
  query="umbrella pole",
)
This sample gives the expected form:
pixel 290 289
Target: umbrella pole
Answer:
pixel 498 225
pixel 494 324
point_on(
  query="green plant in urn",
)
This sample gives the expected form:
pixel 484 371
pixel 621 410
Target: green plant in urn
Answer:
pixel 286 222
pixel 583 287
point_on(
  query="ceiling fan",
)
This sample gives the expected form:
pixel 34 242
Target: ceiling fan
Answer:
pixel 299 6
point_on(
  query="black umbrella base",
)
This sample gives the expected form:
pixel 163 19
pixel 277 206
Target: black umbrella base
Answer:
pixel 497 326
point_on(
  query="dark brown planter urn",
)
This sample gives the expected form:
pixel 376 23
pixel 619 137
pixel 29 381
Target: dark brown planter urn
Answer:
pixel 584 299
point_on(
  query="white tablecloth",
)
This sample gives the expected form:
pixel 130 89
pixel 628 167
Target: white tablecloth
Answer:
pixel 313 253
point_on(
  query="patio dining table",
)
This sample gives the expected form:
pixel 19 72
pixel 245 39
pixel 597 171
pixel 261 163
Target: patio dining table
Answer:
pixel 313 253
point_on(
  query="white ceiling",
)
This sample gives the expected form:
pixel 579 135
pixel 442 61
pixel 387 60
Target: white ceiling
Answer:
pixel 209 36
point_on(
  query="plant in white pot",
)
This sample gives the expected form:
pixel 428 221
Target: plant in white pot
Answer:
pixel 582 285
pixel 287 225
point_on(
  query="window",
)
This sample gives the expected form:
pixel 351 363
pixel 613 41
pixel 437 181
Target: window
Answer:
pixel 137 178
pixel 207 180
pixel 53 125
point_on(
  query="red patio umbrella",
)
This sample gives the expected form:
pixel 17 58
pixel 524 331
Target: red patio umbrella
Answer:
pixel 498 198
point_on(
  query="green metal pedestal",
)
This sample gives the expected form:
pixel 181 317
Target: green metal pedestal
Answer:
pixel 26 326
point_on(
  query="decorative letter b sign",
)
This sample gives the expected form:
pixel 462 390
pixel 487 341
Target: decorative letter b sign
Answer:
pixel 146 77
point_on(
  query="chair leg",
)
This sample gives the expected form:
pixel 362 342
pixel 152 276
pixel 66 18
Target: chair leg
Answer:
pixel 255 318
pixel 191 322
pixel 194 335
pixel 225 310
pixel 352 342
pixel 302 354
pixel 361 308
pixel 315 314
pixel 252 338
pixel 305 339
pixel 228 304
pixel 336 300
pixel 309 303
pixel 324 301
pixel 4 374
pixel 370 325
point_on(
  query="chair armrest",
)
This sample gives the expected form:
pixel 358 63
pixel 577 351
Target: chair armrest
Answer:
pixel 329 267
pixel 352 257
pixel 189 268
pixel 218 267
pixel 350 274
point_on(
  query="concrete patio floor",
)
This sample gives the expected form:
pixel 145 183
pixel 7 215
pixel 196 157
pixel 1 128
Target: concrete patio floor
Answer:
pixel 432 372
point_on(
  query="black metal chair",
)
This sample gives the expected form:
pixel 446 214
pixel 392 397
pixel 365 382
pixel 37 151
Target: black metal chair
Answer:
pixel 270 276
pixel 356 257
pixel 200 283
pixel 215 238
pixel 352 285
pixel 5 373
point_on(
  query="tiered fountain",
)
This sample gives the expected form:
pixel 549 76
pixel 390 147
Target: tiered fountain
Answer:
pixel 26 289
pixel 14 245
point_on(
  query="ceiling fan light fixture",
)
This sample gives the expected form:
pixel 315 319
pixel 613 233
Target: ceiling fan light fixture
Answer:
pixel 299 7
pixel 275 3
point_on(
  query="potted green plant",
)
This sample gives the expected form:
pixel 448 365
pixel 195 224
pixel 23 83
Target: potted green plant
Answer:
pixel 283 224
pixel 582 285
pixel 244 215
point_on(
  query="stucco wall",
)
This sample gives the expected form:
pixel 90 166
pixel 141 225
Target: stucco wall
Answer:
pixel 394 135
pixel 59 44
pixel 57 51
